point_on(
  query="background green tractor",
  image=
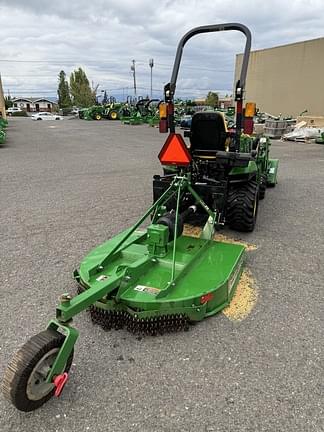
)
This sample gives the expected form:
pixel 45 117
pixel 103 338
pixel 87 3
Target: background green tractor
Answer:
pixel 145 111
pixel 112 111
pixel 97 112
pixel 2 136
pixel 3 122
pixel 85 114
pixel 3 125
pixel 138 114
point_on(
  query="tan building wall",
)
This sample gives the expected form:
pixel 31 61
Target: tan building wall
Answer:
pixel 2 101
pixel 287 79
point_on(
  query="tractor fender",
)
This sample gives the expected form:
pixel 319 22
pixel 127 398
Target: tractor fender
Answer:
pixel 272 172
pixel 250 170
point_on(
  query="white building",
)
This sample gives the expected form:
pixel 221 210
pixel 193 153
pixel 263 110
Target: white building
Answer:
pixel 33 104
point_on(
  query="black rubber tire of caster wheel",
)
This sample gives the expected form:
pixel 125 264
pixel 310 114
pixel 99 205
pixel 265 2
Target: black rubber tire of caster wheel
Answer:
pixel 18 386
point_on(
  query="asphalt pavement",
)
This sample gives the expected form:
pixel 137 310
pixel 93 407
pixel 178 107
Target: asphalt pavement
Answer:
pixel 65 187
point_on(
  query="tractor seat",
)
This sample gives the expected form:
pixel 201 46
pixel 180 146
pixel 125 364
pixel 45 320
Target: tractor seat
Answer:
pixel 208 134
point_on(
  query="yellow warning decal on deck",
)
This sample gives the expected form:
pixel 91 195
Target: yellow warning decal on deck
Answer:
pixel 147 289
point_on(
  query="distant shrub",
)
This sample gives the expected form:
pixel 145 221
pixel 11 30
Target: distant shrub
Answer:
pixel 19 114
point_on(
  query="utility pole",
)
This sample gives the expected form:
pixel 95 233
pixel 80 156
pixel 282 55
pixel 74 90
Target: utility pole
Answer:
pixel 134 75
pixel 151 64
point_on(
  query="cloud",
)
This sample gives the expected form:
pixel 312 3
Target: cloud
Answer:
pixel 40 38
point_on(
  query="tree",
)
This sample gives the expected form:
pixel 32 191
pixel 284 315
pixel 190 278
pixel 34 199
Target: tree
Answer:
pixel 212 99
pixel 105 98
pixel 82 94
pixel 63 91
pixel 8 102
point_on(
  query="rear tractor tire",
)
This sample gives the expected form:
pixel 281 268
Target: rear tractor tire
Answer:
pixel 242 206
pixel 24 383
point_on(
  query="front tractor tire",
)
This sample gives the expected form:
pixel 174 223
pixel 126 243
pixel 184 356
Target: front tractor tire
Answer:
pixel 242 206
pixel 24 383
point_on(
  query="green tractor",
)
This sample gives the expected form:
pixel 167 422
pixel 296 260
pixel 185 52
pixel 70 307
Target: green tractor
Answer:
pixel 230 168
pixel 84 114
pixel 97 112
pixel 156 279
pixel 113 111
pixel 138 113
pixel 3 122
pixel 145 111
pixel 2 136
pixel 3 126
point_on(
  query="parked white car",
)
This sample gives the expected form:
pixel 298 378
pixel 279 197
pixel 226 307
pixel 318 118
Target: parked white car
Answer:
pixel 12 110
pixel 46 116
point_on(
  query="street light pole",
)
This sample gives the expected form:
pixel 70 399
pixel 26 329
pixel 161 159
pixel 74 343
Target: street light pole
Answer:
pixel 151 64
pixel 134 75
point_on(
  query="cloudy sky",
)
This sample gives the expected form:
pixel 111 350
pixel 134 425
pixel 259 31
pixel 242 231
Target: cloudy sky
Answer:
pixel 41 37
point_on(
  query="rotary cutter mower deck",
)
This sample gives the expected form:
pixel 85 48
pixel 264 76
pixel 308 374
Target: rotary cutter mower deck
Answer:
pixel 148 280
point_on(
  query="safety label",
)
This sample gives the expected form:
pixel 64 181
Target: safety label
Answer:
pixel 147 289
pixel 101 278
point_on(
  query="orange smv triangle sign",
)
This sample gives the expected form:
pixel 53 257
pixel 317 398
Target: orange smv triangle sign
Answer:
pixel 174 151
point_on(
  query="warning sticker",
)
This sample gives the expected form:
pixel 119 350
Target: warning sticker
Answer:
pixel 101 278
pixel 272 170
pixel 147 289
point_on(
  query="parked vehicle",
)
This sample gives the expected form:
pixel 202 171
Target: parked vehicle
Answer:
pixel 46 116
pixel 185 122
pixel 12 110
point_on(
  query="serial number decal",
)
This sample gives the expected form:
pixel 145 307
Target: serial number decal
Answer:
pixel 147 289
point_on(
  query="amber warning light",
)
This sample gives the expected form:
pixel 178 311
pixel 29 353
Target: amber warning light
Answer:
pixel 174 151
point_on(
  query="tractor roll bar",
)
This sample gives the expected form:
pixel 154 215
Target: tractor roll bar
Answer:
pixel 169 89
pixel 208 29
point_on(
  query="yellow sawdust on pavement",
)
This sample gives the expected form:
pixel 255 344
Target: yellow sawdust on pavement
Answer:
pixel 244 299
pixel 245 296
pixel 191 230
pixel 195 231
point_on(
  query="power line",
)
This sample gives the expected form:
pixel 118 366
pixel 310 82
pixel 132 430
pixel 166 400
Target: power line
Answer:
pixel 26 76
pixel 63 61
pixel 58 61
